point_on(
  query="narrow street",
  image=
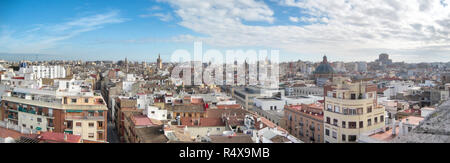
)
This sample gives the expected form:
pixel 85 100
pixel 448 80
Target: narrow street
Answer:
pixel 112 131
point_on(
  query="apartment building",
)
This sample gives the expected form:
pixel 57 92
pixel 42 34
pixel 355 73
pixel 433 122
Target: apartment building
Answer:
pixel 270 108
pixel 81 112
pixel 50 72
pixel 304 90
pixel 305 122
pixel 123 107
pixel 245 96
pixel 350 110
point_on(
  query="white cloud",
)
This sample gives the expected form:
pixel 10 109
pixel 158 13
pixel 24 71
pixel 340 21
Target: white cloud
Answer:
pixel 347 28
pixel 48 36
pixel 294 19
pixel 161 16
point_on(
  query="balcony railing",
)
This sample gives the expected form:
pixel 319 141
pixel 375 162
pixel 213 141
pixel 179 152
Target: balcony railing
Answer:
pixel 86 117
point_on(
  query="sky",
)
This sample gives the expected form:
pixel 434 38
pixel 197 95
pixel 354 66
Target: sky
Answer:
pixel 344 30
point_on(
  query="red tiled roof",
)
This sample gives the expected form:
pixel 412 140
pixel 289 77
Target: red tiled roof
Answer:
pixel 59 137
pixel 141 120
pixel 203 121
pixel 4 133
pixel 233 106
pixel 196 101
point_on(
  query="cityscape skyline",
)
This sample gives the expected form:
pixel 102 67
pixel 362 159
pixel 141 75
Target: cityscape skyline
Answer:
pixel 205 72
pixel 112 30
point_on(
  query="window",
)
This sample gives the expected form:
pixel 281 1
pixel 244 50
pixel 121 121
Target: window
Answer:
pixel 74 100
pixel 381 118
pixel 50 112
pixel 91 135
pixel 100 123
pixel 218 129
pixel 369 109
pixel 78 124
pixel 334 135
pixel 353 96
pixel 335 122
pixel 328 120
pixel 86 100
pixel 327 132
pixel 369 122
pixel 343 137
pixel 375 120
pixel 100 135
pixel 359 111
pixel 330 107
pixel 343 124
pixel 352 125
pixel 91 124
pixel 336 109
pixel 39 120
pixel 345 111
pixel 352 138
pixel 361 124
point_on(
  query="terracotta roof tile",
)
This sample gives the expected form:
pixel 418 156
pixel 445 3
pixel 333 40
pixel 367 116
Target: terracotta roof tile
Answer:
pixel 59 137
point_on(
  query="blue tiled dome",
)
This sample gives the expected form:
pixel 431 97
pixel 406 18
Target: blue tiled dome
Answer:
pixel 324 67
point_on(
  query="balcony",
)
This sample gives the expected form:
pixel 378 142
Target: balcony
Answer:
pixel 100 118
pixel 12 117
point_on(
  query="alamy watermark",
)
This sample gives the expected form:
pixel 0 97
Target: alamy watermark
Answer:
pixel 234 68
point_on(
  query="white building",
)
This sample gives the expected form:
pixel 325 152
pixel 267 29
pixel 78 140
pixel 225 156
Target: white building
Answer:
pixel 269 104
pixel 50 72
pixel 155 113
pixel 395 87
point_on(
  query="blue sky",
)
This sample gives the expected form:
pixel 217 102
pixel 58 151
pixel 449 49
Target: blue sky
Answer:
pixel 305 30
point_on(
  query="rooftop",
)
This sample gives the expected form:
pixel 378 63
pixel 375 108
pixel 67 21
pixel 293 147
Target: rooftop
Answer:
pixel 239 138
pixel 153 134
pixel 433 129
pixel 54 137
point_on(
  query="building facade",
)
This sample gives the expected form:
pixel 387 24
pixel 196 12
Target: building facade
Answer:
pixel 350 110
pixel 305 122
pixel 41 110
